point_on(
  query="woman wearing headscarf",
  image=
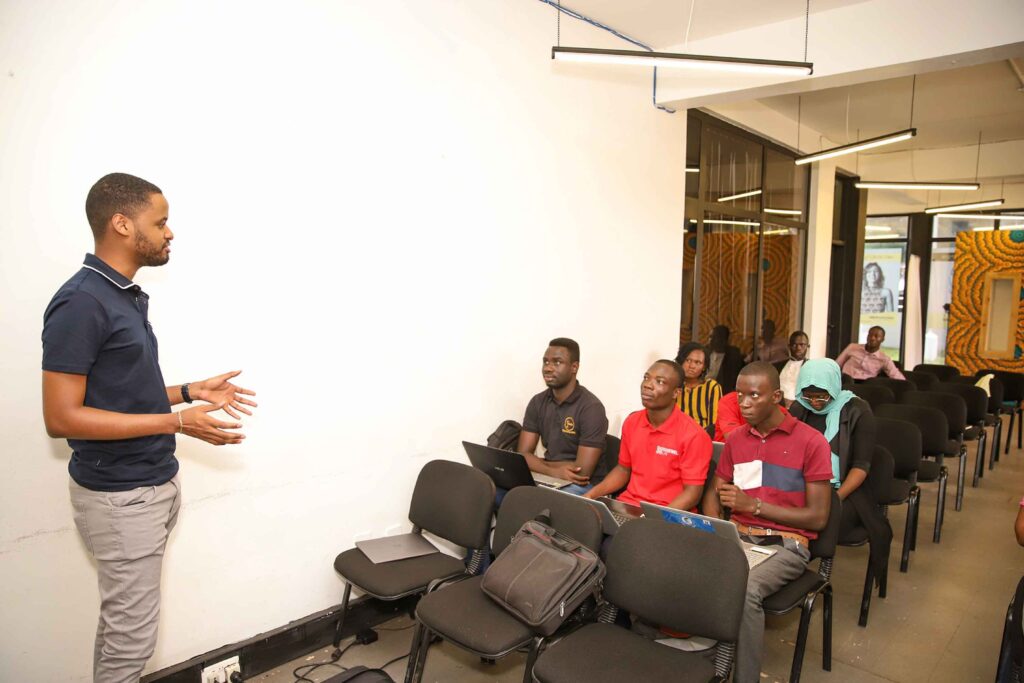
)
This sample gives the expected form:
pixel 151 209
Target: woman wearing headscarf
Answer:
pixel 849 427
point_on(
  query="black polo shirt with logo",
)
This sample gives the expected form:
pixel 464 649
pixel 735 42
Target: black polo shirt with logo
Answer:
pixel 97 325
pixel 579 420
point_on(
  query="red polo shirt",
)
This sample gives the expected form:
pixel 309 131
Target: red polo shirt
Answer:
pixel 662 459
pixel 775 467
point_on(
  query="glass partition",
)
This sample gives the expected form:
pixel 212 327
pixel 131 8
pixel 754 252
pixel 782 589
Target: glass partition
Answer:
pixel 728 285
pixel 883 280
pixel 940 293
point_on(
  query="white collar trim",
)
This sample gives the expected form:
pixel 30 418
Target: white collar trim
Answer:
pixel 127 286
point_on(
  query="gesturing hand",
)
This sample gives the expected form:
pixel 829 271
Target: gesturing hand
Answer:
pixel 219 390
pixel 570 472
pixel 732 497
pixel 200 424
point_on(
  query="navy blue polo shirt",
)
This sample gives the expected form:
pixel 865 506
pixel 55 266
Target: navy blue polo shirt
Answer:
pixel 97 325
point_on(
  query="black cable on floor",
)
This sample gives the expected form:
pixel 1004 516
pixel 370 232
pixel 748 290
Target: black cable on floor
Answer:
pixel 313 667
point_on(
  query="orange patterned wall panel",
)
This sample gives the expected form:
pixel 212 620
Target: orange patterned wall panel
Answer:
pixel 978 253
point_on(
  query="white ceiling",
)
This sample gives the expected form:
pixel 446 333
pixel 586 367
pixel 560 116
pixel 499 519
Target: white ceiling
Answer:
pixel 662 23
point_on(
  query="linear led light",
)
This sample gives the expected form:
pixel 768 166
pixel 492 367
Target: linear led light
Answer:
pixel 965 207
pixel 785 231
pixel 878 228
pixel 682 61
pixel 692 169
pixel 783 212
pixel 715 221
pixel 989 216
pixel 878 185
pixel 741 195
pixel 898 136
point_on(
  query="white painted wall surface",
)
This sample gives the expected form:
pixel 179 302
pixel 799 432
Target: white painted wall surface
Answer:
pixel 383 212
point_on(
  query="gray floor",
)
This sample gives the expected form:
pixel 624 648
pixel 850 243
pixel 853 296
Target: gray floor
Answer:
pixel 941 621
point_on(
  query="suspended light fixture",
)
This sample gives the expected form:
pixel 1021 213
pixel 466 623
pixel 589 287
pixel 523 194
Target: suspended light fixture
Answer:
pixel 692 169
pixel 987 216
pixel 966 207
pixel 741 195
pixel 870 143
pixel 682 61
pixel 784 212
pixel 912 185
pixel 717 221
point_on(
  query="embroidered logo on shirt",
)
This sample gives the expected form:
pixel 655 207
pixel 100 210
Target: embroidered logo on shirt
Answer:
pixel 665 450
pixel 569 426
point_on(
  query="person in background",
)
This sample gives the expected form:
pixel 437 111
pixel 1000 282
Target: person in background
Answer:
pixel 769 347
pixel 729 417
pixel 699 396
pixel 875 297
pixel 724 361
pixel 789 369
pixel 568 419
pixel 868 360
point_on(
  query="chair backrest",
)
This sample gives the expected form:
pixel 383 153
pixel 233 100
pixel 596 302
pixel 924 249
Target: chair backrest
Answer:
pixel 951 405
pixel 944 373
pixel 924 381
pixel 610 457
pixel 883 470
pixel 974 397
pixel 679 577
pixel 874 394
pixel 902 439
pixel 1013 383
pixel 897 386
pixel 454 501
pixel 568 514
pixel 930 422
pixel 825 544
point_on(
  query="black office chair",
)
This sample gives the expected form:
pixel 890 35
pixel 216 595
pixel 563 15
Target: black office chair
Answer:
pixel 955 410
pixel 852 531
pixel 976 401
pixel 666 574
pixel 1010 665
pixel 874 394
pixel 609 458
pixel 944 373
pixel 934 430
pixel 924 381
pixel 451 500
pixel 461 613
pixel 903 441
pixel 1013 401
pixel 897 386
pixel 804 590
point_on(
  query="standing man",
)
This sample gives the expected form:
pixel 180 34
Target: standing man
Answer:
pixel 865 362
pixel 769 347
pixel 664 454
pixel 103 391
pixel 774 473
pixel 789 370
pixel 569 420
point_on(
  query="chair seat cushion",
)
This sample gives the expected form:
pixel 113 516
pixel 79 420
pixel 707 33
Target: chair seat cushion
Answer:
pixel 390 580
pixel 897 492
pixel 854 537
pixel 973 433
pixel 792 594
pixel 603 652
pixel 991 420
pixel 462 612
pixel 952 448
pixel 929 471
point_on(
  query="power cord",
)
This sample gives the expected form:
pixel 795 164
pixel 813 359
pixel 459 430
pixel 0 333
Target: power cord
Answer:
pixel 310 668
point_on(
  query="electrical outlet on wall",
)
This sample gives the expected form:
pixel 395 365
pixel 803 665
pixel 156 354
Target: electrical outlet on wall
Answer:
pixel 222 670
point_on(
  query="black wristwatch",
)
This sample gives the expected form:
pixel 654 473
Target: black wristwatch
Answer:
pixel 184 393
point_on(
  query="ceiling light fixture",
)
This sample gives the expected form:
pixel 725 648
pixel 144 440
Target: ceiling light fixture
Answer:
pixel 716 221
pixel 988 216
pixel 853 147
pixel 692 169
pixel 878 228
pixel 966 207
pixel 741 195
pixel 910 185
pixel 682 61
pixel 784 212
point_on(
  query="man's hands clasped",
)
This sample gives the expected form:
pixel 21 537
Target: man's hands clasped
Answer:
pixel 221 394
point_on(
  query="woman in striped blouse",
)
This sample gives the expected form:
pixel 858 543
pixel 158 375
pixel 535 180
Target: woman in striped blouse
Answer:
pixel 699 398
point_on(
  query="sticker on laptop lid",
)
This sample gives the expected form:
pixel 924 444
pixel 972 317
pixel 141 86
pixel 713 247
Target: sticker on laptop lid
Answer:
pixel 688 520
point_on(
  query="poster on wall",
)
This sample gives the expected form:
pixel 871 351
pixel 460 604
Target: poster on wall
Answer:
pixel 881 288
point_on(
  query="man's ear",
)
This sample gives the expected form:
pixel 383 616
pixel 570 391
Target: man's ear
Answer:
pixel 121 224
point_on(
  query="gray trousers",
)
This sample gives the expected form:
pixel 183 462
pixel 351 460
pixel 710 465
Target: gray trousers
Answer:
pixel 126 532
pixel 769 576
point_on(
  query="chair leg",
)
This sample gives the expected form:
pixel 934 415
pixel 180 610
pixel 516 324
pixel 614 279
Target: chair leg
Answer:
pixel 940 507
pixel 997 437
pixel 917 516
pixel 1009 432
pixel 979 460
pixel 883 583
pixel 421 659
pixel 961 476
pixel 531 659
pixel 341 616
pixel 826 630
pixel 414 653
pixel 801 638
pixel 1020 424
pixel 865 598
pixel 908 531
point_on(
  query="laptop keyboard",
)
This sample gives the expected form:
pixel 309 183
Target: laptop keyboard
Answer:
pixel 754 557
pixel 621 518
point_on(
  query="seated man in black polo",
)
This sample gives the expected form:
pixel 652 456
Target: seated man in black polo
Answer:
pixel 569 420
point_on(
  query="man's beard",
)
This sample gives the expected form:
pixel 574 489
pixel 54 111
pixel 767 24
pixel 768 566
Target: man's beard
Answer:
pixel 148 254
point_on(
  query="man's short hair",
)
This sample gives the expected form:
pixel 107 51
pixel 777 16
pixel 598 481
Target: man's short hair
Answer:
pixel 568 344
pixel 760 368
pixel 798 333
pixel 877 327
pixel 680 377
pixel 116 193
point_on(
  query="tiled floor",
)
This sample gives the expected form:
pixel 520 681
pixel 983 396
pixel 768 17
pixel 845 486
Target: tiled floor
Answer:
pixel 941 621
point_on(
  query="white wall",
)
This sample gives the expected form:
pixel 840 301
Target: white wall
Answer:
pixel 383 212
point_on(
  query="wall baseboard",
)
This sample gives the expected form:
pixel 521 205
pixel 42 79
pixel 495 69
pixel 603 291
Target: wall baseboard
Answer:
pixel 281 645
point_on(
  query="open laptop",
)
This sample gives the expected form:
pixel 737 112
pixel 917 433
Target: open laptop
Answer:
pixel 613 513
pixel 756 554
pixel 507 468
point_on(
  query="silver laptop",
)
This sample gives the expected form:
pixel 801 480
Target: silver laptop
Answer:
pixel 755 554
pixel 398 547
pixel 613 513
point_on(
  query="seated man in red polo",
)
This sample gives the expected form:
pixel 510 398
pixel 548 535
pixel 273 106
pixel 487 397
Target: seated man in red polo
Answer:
pixel 774 474
pixel 664 454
